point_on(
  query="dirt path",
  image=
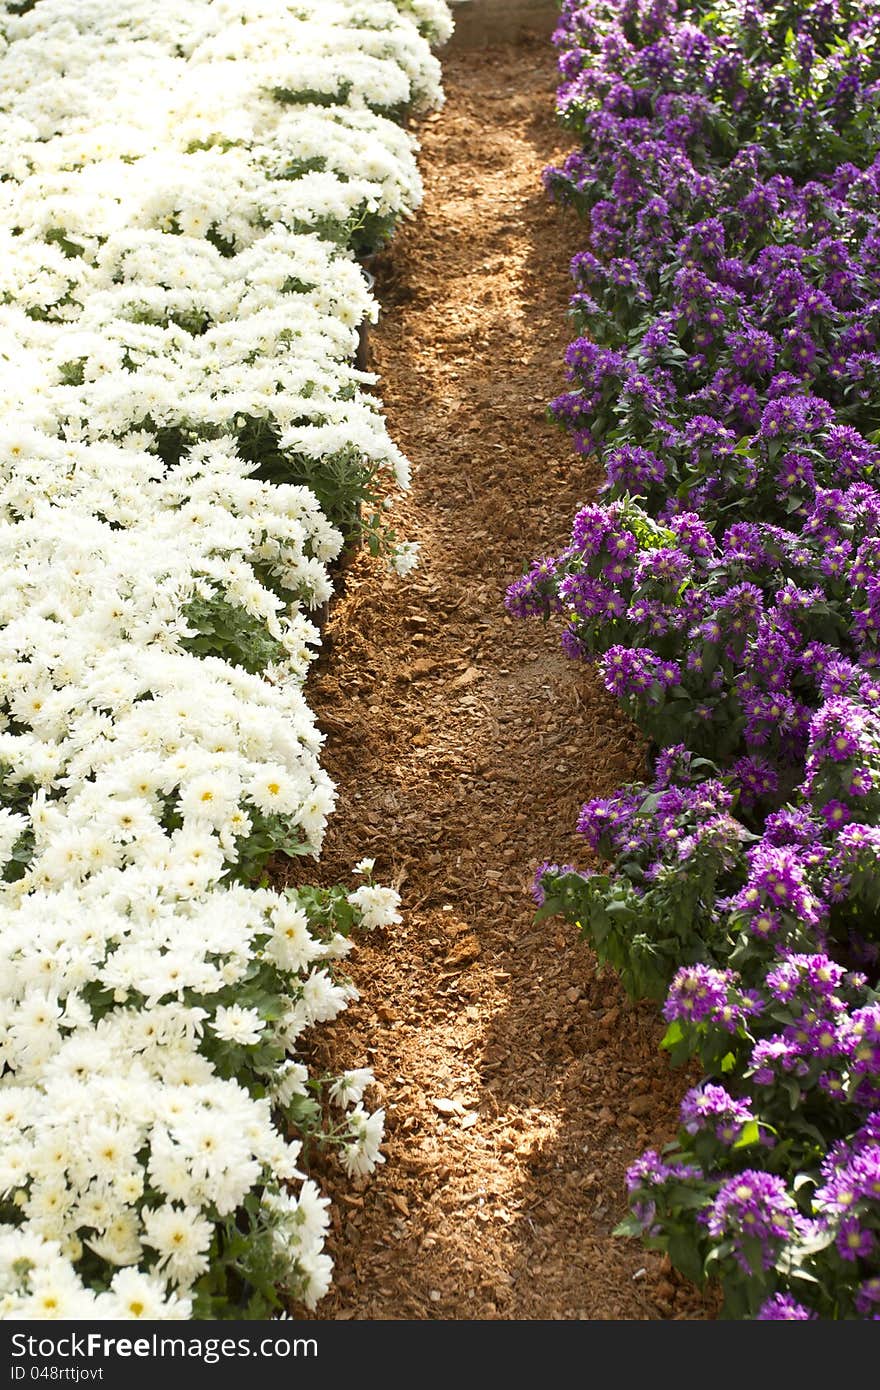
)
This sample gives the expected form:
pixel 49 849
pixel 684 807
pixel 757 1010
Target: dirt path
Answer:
pixel 518 1081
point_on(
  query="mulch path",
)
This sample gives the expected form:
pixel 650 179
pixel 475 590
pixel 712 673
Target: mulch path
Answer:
pixel 518 1080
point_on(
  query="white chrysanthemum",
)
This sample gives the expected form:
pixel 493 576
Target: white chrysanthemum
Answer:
pixel 181 1236
pixel 238 1025
pixel 405 558
pixel 119 1244
pixel 317 1270
pixel 362 1154
pixel 170 274
pixel 377 904
pixel 349 1088
pixel 292 946
pixel 11 828
pixel 136 1295
pixel 290 1081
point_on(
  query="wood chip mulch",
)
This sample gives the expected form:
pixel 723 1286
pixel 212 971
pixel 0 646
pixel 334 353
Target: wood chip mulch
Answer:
pixel 518 1080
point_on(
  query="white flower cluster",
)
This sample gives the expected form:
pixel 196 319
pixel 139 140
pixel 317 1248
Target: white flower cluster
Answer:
pixel 178 313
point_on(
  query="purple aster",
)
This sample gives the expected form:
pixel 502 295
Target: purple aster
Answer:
pixel 835 814
pixel 758 1214
pixel 712 1107
pixel 698 992
pixel 868 1297
pixel 866 1039
pixel 538 892
pixel 769 1056
pixel 782 1307
pixel 855 1241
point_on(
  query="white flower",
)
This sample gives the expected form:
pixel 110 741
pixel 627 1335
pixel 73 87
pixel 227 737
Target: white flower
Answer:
pixel 56 1294
pixel 317 1272
pixel 405 557
pixel 134 1294
pixel 119 1244
pixel 323 999
pixel 350 1087
pixel 361 1155
pixel 211 796
pixel 181 1236
pixel 11 828
pixel 238 1025
pixel 378 905
pixel 292 946
pixel 290 1081
pixel 274 791
pixel 152 288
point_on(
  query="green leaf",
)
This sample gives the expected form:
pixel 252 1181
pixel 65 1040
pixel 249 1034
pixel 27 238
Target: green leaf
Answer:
pixel 750 1134
pixel 629 1226
pixel 674 1034
pixel 685 1255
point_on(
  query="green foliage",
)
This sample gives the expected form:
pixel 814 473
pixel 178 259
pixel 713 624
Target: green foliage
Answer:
pixel 225 629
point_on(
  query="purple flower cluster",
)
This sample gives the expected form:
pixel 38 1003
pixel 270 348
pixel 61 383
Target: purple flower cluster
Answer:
pixel 699 993
pixel 646 1180
pixel 745 305
pixel 818 1039
pixel 727 374
pixel 665 827
pixel 850 1198
pixel 709 1107
pixel 782 1307
pixel 756 1212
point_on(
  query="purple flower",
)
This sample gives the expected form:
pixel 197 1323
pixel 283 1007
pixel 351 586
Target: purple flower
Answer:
pixel 855 1241
pixel 778 878
pixel 782 1307
pixel 752 350
pixel 538 892
pixel 631 468
pixel 791 827
pixel 647 1176
pixel 866 1040
pixel 835 814
pixel 699 992
pixel 535 593
pixel 770 1055
pixel 756 779
pixel 630 671
pixel 757 1213
pixel 868 1297
pixel 712 1107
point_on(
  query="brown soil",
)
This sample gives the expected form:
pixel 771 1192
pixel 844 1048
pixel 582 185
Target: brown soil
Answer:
pixel 518 1081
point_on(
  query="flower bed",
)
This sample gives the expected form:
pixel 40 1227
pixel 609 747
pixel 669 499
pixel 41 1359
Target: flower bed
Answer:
pixel 727 589
pixel 187 446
